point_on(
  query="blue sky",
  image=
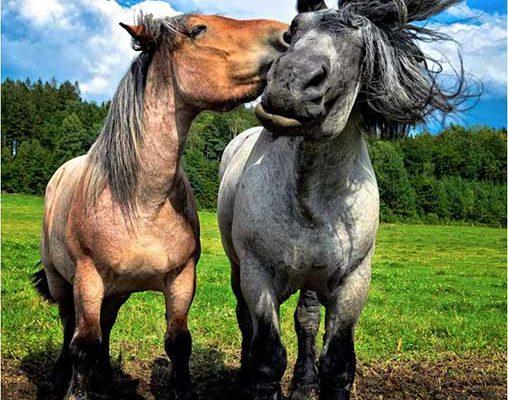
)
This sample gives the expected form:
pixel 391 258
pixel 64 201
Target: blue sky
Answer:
pixel 81 40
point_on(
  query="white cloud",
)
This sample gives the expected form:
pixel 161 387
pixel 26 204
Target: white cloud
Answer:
pixel 80 37
pixel 81 40
pixel 482 44
pixel 462 10
pixel 282 10
pixel 42 12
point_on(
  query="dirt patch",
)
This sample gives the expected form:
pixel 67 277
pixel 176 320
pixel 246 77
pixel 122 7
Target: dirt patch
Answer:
pixel 473 377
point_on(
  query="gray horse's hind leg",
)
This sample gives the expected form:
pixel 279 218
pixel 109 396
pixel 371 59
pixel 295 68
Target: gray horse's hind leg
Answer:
pixel 338 361
pixel 244 323
pixel 267 359
pixel 305 378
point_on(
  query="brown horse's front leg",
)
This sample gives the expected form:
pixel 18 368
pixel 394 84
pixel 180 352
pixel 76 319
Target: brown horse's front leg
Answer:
pixel 109 311
pixel 86 342
pixel 179 293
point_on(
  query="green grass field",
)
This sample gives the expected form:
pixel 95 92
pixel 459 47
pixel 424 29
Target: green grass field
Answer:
pixel 436 291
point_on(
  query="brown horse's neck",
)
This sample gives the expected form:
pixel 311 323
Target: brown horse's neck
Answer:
pixel 166 124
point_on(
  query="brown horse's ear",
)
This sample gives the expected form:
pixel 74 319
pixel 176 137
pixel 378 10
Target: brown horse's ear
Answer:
pixel 141 39
pixel 310 5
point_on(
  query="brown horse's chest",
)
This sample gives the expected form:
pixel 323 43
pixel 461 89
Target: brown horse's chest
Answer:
pixel 142 257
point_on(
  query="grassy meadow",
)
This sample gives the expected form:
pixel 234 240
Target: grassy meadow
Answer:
pixel 437 292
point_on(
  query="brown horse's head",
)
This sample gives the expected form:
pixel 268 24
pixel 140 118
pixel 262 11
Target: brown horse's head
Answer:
pixel 216 62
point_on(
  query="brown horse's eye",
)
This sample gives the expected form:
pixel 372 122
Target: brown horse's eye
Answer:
pixel 287 37
pixel 197 31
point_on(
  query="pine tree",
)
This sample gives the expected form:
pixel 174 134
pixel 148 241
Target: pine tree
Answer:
pixel 71 141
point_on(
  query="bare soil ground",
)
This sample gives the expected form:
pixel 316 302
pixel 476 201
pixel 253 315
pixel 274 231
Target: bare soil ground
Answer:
pixel 474 377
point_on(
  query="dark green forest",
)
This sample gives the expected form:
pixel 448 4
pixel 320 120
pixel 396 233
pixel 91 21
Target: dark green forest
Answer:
pixel 456 175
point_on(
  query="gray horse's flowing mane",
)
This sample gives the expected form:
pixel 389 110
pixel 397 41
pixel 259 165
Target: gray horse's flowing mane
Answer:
pixel 114 158
pixel 402 86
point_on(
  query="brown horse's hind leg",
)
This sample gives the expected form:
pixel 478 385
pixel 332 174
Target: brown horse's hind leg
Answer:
pixel 179 293
pixel 61 292
pixel 85 345
pixel 109 311
pixel 305 378
pixel 244 322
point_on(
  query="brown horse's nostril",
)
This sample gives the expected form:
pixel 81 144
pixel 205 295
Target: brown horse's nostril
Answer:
pixel 286 37
pixel 281 42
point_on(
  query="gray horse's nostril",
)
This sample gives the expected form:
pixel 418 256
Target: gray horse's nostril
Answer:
pixel 316 79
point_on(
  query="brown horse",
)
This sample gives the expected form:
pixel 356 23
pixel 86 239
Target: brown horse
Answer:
pixel 121 218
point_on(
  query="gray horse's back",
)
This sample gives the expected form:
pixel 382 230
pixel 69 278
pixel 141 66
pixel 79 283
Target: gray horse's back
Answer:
pixel 235 145
pixel 233 161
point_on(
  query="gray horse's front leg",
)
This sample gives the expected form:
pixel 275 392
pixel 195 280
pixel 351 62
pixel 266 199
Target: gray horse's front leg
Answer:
pixel 267 358
pixel 338 361
pixel 244 323
pixel 305 377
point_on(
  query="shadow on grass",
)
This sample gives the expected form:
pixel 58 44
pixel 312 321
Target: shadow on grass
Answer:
pixel 212 379
pixel 449 377
pixel 38 367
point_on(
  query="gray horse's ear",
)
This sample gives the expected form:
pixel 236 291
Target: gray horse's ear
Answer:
pixel 310 5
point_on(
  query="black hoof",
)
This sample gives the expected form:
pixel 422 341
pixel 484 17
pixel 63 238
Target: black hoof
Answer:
pixel 243 377
pixel 103 376
pixel 175 394
pixel 77 395
pixel 334 394
pixel 59 379
pixel 305 392
pixel 267 392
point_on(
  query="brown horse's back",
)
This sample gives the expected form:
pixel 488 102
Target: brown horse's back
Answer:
pixel 57 204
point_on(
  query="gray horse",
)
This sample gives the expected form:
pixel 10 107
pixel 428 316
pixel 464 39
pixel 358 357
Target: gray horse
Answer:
pixel 298 203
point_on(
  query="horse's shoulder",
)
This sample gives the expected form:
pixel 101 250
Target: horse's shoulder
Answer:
pixel 64 177
pixel 238 142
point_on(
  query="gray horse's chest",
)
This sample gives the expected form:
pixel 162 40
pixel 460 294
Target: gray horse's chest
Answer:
pixel 273 223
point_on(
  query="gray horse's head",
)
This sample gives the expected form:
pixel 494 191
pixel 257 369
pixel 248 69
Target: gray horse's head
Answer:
pixel 364 56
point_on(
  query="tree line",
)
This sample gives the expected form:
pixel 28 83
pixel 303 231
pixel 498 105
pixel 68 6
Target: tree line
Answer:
pixel 456 175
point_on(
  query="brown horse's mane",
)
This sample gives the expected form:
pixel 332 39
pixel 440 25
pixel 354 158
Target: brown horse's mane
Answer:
pixel 114 159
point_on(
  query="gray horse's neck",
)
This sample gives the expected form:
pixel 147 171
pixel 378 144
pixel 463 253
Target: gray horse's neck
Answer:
pixel 166 124
pixel 326 171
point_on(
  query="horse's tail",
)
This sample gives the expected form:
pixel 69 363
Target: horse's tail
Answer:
pixel 40 283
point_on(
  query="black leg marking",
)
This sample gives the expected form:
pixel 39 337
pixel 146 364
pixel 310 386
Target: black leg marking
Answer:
pixel 245 324
pixel 268 362
pixel 178 348
pixel 84 352
pixel 109 312
pixel 305 383
pixel 337 366
pixel 63 367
